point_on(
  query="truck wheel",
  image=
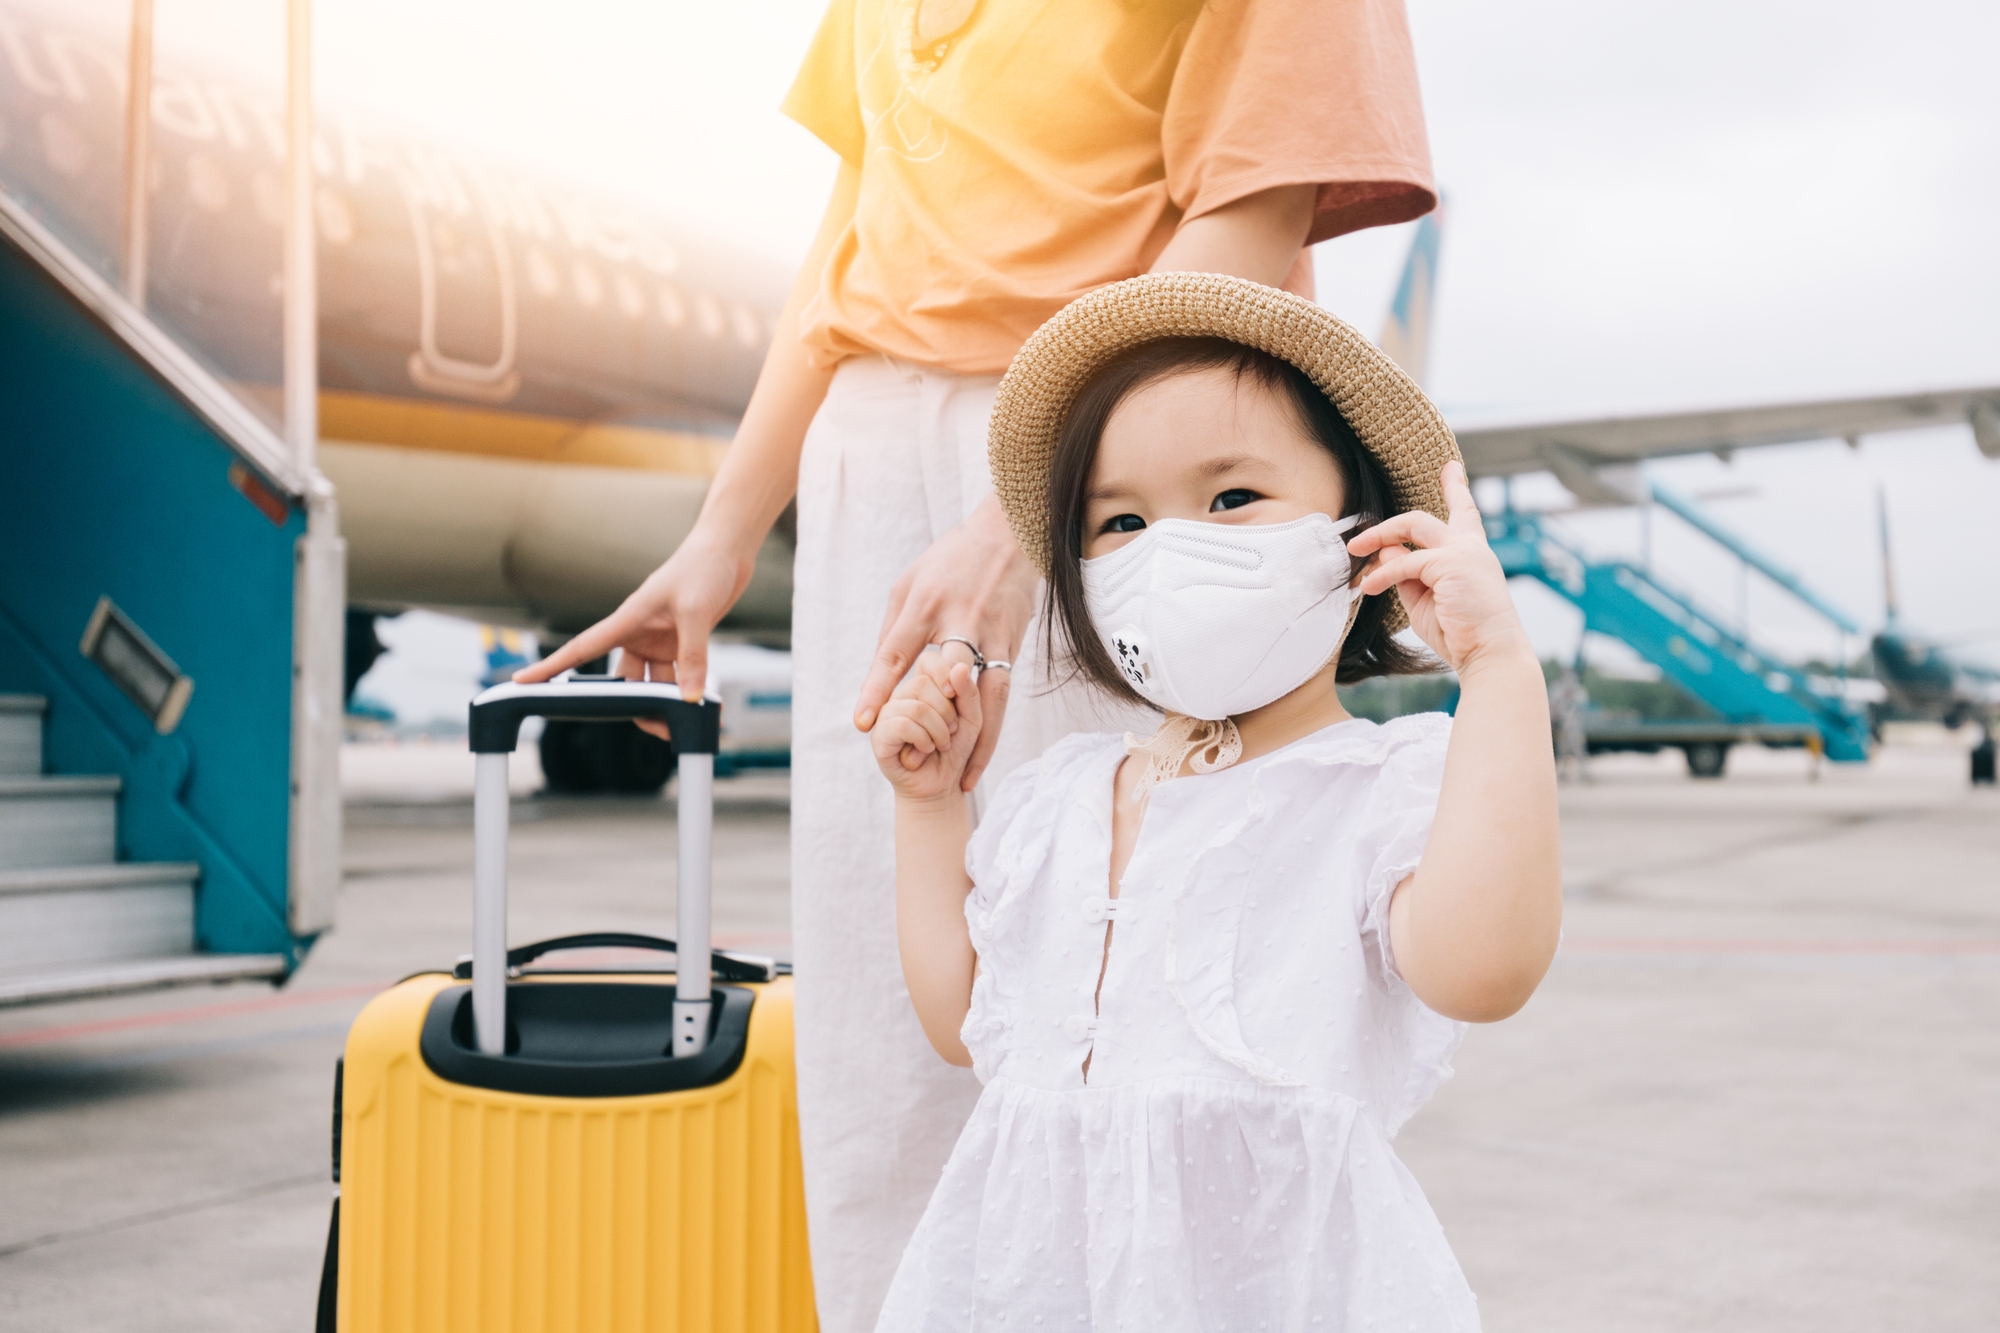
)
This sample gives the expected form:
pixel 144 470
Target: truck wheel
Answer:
pixel 1706 759
pixel 1983 763
pixel 603 758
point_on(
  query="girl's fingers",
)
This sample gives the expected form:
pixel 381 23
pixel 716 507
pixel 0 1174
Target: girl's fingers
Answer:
pixel 1458 495
pixel 966 691
pixel 989 700
pixel 897 734
pixel 1416 525
pixel 930 692
pixel 1405 567
pixel 936 724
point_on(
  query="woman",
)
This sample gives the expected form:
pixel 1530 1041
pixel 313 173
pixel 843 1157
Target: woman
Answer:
pixel 998 159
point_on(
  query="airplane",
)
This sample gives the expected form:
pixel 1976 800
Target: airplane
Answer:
pixel 525 387
pixel 1922 681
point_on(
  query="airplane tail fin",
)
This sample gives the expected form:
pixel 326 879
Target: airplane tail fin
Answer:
pixel 1888 568
pixel 1406 336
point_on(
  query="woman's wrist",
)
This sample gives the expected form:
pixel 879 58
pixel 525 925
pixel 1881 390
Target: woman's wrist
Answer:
pixel 725 531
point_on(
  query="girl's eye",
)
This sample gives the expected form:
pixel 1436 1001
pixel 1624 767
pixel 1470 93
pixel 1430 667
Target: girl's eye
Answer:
pixel 1235 499
pixel 1123 523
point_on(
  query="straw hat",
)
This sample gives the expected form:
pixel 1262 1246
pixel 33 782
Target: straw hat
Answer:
pixel 1387 411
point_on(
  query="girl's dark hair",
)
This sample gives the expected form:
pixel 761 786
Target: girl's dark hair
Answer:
pixel 1067 634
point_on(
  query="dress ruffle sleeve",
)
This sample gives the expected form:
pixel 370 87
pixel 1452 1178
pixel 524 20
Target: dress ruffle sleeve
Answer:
pixel 1403 807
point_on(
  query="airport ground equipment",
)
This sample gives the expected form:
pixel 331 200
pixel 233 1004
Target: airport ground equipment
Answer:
pixel 1692 647
pixel 1706 744
pixel 170 612
pixel 539 1149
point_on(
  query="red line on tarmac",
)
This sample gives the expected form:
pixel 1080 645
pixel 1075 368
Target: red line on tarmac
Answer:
pixel 1784 946
pixel 282 1000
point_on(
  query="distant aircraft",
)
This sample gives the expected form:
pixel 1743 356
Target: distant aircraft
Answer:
pixel 1922 681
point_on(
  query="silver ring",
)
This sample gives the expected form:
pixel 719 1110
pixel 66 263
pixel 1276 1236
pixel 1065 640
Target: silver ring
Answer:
pixel 978 658
pixel 999 666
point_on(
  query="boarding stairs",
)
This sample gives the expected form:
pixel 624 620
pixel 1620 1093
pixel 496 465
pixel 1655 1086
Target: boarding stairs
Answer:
pixel 1696 649
pixel 76 921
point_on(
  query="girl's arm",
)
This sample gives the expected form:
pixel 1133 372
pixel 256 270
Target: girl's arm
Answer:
pixel 923 741
pixel 931 885
pixel 1475 928
pixel 666 622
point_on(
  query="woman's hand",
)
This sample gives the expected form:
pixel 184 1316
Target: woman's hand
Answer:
pixel 927 732
pixel 1452 586
pixel 973 582
pixel 664 625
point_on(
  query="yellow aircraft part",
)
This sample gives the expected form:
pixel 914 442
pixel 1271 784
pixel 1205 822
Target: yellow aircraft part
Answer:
pixel 491 1212
pixel 524 437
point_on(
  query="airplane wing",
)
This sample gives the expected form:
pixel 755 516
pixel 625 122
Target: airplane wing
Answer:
pixel 1591 452
pixel 1597 458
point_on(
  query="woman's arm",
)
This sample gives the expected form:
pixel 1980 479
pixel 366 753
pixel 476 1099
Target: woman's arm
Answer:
pixel 665 624
pixel 1256 237
pixel 1475 928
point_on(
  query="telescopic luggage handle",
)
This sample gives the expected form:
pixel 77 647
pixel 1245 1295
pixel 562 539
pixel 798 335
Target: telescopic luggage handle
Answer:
pixel 495 728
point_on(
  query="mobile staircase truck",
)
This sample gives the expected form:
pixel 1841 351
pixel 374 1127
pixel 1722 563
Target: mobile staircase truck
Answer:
pixel 171 599
pixel 1756 697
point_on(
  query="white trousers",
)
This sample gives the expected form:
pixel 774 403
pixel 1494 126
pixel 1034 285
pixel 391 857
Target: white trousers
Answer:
pixel 894 460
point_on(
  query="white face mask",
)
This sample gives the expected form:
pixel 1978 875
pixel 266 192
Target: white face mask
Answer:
pixel 1213 620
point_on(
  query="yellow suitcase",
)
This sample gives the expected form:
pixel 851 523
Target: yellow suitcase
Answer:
pixel 542 1151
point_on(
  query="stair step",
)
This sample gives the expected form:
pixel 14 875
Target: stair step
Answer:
pixel 17 988
pixel 57 822
pixel 21 734
pixel 83 916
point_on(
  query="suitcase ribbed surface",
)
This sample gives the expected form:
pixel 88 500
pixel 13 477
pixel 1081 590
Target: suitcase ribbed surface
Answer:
pixel 468 1209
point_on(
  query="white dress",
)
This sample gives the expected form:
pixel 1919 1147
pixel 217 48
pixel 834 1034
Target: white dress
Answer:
pixel 1226 1166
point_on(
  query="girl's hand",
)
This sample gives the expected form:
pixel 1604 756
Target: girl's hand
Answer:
pixel 1452 585
pixel 973 581
pixel 927 732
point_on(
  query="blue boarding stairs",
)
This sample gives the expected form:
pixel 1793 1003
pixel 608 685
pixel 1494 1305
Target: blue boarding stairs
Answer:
pixel 1697 650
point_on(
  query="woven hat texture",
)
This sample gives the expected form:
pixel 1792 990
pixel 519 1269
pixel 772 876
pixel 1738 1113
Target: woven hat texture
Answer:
pixel 1387 411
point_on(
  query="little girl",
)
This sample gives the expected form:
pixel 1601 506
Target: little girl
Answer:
pixel 1206 976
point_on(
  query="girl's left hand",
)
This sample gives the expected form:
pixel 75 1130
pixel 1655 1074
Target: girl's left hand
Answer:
pixel 1452 585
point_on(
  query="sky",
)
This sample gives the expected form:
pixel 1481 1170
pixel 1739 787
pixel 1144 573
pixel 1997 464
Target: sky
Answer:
pixel 1648 208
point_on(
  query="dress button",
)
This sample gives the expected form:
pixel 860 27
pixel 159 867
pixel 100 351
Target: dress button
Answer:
pixel 1099 909
pixel 1078 1027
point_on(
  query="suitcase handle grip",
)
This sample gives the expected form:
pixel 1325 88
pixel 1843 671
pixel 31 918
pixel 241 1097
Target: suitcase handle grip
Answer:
pixel 726 965
pixel 497 714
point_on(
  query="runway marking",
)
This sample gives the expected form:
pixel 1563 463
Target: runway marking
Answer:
pixel 163 1214
pixel 1863 947
pixel 282 1000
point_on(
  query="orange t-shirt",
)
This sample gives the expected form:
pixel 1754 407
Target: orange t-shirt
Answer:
pixel 1015 154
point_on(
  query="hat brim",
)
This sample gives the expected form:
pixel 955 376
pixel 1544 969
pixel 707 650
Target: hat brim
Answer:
pixel 1389 414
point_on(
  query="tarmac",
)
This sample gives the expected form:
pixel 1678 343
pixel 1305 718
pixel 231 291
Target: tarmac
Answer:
pixel 1756 1093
